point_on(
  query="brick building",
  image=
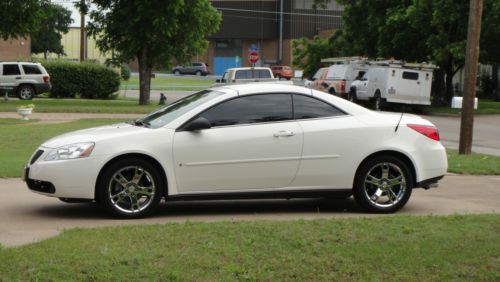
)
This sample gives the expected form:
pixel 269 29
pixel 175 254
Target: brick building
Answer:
pixel 15 49
pixel 263 25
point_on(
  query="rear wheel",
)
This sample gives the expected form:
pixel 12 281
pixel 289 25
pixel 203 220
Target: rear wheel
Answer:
pixel 198 73
pixel 130 188
pixel 377 102
pixel 383 184
pixel 25 92
pixel 331 91
pixel 177 72
pixel 278 77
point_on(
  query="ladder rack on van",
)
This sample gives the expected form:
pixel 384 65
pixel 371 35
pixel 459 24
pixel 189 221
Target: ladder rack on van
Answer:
pixel 345 60
pixel 402 64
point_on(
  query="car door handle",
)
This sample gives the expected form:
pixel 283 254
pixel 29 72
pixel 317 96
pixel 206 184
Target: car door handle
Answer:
pixel 283 133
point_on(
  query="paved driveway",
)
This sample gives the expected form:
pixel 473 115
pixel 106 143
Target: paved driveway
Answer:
pixel 26 217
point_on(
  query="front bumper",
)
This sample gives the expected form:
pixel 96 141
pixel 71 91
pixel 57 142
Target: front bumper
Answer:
pixel 74 178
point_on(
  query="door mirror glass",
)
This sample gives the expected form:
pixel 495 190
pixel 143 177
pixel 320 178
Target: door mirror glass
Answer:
pixel 198 124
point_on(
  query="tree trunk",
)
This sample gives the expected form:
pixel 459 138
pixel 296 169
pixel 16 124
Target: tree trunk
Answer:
pixel 144 78
pixel 438 88
pixel 449 81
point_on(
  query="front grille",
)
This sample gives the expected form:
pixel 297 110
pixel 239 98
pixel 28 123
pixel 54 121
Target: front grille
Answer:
pixel 36 156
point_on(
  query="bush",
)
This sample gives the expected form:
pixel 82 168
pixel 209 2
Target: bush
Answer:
pixel 125 71
pixel 85 80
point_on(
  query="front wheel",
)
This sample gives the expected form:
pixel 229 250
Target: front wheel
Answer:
pixel 130 188
pixel 352 96
pixel 177 72
pixel 383 184
pixel 377 102
pixel 198 73
pixel 25 92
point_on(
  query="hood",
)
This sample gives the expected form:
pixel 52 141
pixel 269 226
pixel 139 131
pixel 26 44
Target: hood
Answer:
pixel 94 134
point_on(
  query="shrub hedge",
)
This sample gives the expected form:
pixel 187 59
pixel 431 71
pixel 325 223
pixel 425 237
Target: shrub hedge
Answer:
pixel 85 80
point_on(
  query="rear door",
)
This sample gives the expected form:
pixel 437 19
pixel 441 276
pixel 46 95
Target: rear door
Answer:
pixel 253 144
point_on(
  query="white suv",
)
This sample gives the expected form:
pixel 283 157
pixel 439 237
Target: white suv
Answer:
pixel 24 79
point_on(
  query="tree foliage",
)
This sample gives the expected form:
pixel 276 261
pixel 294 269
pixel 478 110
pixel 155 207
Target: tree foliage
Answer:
pixel 18 18
pixel 153 32
pixel 54 20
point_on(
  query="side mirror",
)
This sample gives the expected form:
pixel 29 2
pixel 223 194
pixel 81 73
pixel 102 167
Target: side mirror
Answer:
pixel 198 124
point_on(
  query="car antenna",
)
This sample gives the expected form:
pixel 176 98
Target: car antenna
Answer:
pixel 397 126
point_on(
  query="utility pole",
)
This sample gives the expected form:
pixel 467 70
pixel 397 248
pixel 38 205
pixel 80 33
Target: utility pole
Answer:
pixel 82 31
pixel 471 59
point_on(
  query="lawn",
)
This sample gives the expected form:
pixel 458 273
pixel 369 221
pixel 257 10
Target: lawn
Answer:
pixel 31 134
pixel 393 248
pixel 45 105
pixel 171 83
pixel 485 106
pixel 20 139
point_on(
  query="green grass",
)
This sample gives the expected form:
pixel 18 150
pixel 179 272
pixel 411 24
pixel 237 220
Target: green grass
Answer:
pixel 81 106
pixel 485 106
pixel 19 139
pixel 393 248
pixel 473 164
pixel 171 83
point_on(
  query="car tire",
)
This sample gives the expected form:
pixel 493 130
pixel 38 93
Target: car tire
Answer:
pixel 177 72
pixel 383 184
pixel 352 96
pixel 332 91
pixel 198 73
pixel 377 102
pixel 288 78
pixel 278 77
pixel 25 92
pixel 130 188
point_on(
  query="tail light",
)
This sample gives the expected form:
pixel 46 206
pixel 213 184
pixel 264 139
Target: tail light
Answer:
pixel 46 78
pixel 427 130
pixel 342 86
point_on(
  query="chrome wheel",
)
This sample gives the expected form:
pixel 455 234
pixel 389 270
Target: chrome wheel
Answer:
pixel 131 189
pixel 385 185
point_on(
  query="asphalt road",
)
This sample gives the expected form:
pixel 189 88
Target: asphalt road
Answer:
pixel 26 217
pixel 486 136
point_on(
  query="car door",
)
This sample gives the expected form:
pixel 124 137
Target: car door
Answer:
pixel 11 75
pixel 330 138
pixel 253 144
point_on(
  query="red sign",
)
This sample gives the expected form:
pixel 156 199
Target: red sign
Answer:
pixel 253 57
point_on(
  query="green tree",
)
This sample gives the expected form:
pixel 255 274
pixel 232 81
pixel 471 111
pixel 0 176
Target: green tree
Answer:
pixel 54 20
pixel 18 18
pixel 153 32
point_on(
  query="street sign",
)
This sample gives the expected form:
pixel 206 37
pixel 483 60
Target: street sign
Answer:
pixel 253 57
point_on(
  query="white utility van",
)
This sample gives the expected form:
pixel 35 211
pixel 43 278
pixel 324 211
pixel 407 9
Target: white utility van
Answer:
pixel 394 83
pixel 343 72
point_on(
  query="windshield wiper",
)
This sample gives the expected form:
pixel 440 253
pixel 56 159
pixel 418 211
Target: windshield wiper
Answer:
pixel 139 122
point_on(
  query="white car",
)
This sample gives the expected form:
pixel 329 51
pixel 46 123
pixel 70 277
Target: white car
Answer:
pixel 244 141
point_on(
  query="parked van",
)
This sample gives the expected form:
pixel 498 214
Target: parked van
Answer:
pixel 318 81
pixel 343 72
pixel 394 83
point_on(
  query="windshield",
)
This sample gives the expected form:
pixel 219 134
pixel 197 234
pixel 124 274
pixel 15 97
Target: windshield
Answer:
pixel 166 114
pixel 318 74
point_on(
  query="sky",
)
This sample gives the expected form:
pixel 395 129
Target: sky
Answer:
pixel 75 15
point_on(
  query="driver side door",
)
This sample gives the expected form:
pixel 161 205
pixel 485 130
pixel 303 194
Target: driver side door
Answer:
pixel 253 144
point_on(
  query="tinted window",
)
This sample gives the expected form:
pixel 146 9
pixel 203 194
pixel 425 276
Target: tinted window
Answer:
pixel 251 109
pixel 410 75
pixel 308 107
pixel 197 64
pixel 11 70
pixel 31 69
pixel 251 74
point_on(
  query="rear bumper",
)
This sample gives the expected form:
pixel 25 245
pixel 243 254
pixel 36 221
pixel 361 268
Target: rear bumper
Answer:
pixel 42 87
pixel 428 183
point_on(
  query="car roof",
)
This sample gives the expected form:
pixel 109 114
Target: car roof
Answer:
pixel 265 87
pixel 249 68
pixel 31 63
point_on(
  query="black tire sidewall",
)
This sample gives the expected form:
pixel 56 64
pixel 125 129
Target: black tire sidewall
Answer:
pixel 102 187
pixel 359 191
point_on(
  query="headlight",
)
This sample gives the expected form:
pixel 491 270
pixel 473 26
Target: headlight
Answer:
pixel 73 151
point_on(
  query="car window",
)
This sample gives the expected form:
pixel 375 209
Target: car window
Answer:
pixel 318 74
pixel 31 69
pixel 251 109
pixel 305 107
pixel 252 74
pixel 170 112
pixel 11 69
pixel 197 64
